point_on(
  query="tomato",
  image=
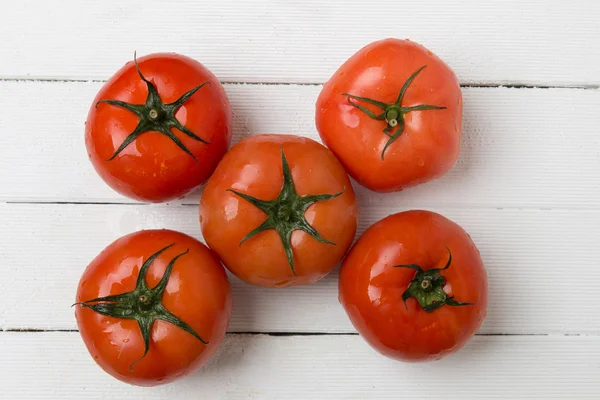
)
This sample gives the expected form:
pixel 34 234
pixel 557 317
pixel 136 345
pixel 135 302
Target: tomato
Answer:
pixel 158 128
pixel 414 286
pixel 279 211
pixel 392 114
pixel 153 306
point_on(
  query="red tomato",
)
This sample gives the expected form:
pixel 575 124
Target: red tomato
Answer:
pixel 279 210
pixel 392 114
pixel 414 286
pixel 157 130
pixel 153 306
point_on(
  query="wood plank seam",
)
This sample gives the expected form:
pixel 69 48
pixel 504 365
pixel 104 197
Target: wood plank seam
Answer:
pixel 462 85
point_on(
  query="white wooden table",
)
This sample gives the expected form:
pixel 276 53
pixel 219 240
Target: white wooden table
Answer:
pixel 526 186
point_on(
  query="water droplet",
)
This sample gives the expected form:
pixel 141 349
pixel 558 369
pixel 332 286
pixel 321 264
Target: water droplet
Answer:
pixel 125 340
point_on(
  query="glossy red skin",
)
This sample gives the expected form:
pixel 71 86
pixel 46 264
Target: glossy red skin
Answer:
pixel 253 166
pixel 430 143
pixel 370 288
pixel 153 168
pixel 198 292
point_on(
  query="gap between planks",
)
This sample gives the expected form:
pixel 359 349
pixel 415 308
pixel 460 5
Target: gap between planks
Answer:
pixel 513 85
pixel 28 330
pixel 175 204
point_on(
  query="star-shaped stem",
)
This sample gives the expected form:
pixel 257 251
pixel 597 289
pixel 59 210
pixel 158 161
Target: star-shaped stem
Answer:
pixel 142 304
pixel 393 114
pixel 285 214
pixel 156 116
pixel 427 287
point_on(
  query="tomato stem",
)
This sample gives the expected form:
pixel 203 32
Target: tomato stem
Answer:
pixel 427 287
pixel 285 214
pixel 393 114
pixel 156 116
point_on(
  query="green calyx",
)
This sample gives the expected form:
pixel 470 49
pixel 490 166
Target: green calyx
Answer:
pixel 427 287
pixel 156 116
pixel 143 304
pixel 393 114
pixel 285 214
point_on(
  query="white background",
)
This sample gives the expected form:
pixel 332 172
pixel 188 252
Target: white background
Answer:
pixel 526 186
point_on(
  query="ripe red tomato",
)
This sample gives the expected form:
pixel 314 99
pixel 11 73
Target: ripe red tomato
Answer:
pixel 279 211
pixel 392 114
pixel 153 306
pixel 414 286
pixel 157 129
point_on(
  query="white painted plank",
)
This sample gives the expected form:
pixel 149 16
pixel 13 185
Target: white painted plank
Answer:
pixel 541 267
pixel 57 366
pixel 530 42
pixel 520 148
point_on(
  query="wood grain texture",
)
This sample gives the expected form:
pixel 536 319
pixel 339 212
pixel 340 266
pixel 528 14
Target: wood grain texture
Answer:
pixel 520 147
pixel 526 186
pixel 539 263
pixel 491 42
pixel 321 367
